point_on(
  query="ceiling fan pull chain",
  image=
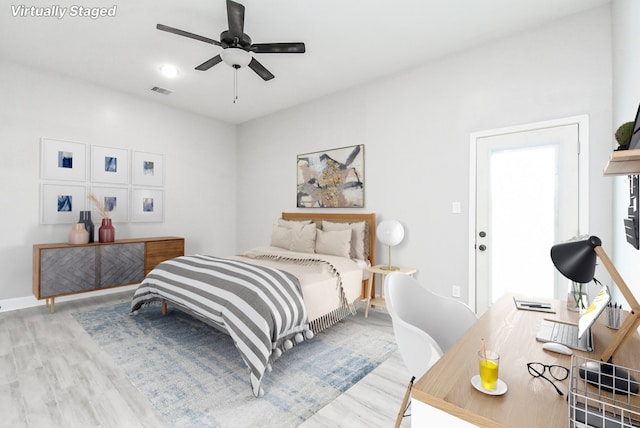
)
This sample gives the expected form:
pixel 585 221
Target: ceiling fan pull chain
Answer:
pixel 235 83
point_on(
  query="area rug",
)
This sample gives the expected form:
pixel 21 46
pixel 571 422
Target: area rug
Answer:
pixel 194 376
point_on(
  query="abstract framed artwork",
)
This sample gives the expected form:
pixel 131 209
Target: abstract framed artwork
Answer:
pixel 147 169
pixel 109 165
pixel 63 160
pixel 116 201
pixel 331 178
pixel 61 203
pixel 147 205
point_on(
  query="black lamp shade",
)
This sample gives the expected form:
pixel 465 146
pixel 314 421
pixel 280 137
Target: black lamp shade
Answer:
pixel 576 259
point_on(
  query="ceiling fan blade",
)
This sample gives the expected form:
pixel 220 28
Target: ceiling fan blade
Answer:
pixel 210 63
pixel 278 48
pixel 235 17
pixel 187 34
pixel 260 70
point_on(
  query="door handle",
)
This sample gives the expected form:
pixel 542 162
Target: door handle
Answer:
pixel 482 247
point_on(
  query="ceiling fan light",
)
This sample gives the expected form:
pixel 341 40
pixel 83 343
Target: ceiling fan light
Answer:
pixel 236 57
pixel 169 71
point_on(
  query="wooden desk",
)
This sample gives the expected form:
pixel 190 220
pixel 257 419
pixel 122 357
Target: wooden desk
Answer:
pixel 529 402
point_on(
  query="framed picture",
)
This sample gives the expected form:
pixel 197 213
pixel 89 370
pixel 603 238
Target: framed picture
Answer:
pixel 109 165
pixel 147 169
pixel 63 160
pixel 62 204
pixel 147 205
pixel 116 201
pixel 331 178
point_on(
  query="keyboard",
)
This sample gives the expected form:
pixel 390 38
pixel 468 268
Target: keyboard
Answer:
pixel 566 334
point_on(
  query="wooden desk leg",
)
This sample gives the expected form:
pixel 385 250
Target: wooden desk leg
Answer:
pixel 369 282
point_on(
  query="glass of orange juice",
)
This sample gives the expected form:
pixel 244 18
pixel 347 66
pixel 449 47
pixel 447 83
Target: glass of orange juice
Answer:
pixel 489 362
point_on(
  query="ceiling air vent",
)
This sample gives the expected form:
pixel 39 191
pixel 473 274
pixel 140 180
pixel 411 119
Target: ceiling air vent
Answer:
pixel 160 90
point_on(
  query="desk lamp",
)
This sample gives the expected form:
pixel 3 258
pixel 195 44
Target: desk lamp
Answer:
pixel 576 260
pixel 390 233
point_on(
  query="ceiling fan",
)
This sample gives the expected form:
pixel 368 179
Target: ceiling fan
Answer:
pixel 236 45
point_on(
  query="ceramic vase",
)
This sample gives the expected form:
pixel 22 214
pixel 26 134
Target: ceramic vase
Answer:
pixel 106 233
pixel 85 218
pixel 78 234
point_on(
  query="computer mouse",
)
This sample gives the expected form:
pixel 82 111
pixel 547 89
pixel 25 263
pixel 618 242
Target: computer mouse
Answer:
pixel 557 347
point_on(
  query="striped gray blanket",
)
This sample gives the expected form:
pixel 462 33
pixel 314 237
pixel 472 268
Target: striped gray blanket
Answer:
pixel 261 308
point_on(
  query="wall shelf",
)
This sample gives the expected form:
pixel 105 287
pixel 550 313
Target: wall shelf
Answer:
pixel 623 162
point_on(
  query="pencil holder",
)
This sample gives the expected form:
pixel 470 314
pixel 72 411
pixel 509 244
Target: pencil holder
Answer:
pixel 614 316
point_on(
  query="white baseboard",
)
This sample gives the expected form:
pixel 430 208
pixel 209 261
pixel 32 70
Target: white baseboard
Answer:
pixel 18 303
pixel 7 305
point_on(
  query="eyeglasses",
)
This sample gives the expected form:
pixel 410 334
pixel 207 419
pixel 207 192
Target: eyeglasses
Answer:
pixel 556 372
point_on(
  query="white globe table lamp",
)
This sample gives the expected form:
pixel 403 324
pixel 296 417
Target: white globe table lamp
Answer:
pixel 390 233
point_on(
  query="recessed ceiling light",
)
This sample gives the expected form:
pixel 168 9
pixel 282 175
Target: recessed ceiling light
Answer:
pixel 169 71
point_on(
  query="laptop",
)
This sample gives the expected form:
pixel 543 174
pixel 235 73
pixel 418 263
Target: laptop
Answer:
pixel 576 336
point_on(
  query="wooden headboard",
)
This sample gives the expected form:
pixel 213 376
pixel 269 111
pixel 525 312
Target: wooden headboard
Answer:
pixel 369 218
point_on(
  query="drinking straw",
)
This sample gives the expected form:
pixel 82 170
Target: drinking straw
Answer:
pixel 484 349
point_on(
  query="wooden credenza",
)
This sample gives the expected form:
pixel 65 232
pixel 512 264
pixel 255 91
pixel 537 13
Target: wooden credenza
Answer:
pixel 65 269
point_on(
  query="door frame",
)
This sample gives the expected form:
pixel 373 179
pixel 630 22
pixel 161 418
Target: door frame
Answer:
pixel 583 182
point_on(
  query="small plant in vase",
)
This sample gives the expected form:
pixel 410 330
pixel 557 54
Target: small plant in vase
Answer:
pixel 579 300
pixel 623 135
pixel 106 233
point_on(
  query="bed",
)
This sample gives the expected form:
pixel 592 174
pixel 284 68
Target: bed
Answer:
pixel 269 298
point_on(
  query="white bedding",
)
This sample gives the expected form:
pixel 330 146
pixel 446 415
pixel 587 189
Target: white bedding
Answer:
pixel 318 283
pixel 264 299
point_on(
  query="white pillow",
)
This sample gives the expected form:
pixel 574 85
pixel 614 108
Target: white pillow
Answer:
pixel 303 239
pixel 337 243
pixel 290 224
pixel 357 236
pixel 281 237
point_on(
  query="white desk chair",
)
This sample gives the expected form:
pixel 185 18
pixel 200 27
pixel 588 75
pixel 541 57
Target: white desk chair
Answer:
pixel 425 324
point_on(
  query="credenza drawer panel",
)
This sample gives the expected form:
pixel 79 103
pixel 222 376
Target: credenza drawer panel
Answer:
pixel 121 264
pixel 159 251
pixel 67 270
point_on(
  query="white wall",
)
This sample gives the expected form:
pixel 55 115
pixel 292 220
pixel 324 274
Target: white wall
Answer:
pixel 200 190
pixel 626 97
pixel 416 126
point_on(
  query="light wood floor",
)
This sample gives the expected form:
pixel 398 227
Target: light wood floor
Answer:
pixel 52 374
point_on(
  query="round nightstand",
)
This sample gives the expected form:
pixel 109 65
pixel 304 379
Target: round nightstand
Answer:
pixel 380 270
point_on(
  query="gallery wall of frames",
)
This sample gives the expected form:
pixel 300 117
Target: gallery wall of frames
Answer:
pixel 130 183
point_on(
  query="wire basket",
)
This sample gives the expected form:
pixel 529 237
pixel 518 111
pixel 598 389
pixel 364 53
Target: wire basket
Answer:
pixel 592 402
